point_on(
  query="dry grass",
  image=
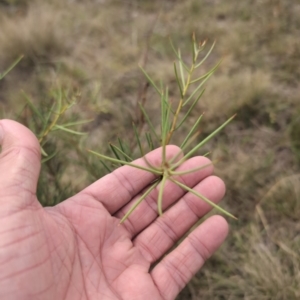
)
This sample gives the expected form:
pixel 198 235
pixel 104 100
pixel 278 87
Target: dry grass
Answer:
pixel 95 47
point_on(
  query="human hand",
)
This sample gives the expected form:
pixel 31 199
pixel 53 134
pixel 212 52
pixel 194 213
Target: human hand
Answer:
pixel 78 250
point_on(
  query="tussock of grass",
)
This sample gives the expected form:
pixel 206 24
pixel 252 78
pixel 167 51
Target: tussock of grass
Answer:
pixel 95 48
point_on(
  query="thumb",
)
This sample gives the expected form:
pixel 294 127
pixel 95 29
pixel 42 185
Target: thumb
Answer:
pixel 20 163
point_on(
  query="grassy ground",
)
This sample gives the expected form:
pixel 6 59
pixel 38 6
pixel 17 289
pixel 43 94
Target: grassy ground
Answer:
pixel 93 48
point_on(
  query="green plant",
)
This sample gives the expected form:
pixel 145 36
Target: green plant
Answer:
pixel 3 74
pixel 59 132
pixel 53 119
pixel 171 121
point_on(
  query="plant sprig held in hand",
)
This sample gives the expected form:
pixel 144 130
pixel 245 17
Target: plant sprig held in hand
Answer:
pixel 171 121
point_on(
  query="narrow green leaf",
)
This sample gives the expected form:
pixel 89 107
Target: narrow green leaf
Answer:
pixel 191 132
pixel 59 127
pixel 43 152
pixel 166 109
pixel 178 80
pixel 178 57
pixel 47 119
pixel 209 73
pixel 150 80
pixel 126 157
pixel 160 195
pixel 150 141
pixel 106 166
pixel 149 121
pixel 123 151
pixel 151 166
pixel 2 75
pixel 135 205
pixel 190 109
pixel 49 157
pixel 190 153
pixel 163 114
pixel 203 198
pixel 59 100
pixel 194 48
pixel 111 146
pixel 125 163
pixel 206 56
pixel 168 121
pixel 18 116
pixel 181 70
pixel 161 86
pixel 138 139
pixel 173 47
pixel 33 108
pixel 174 158
pixel 176 173
pixel 76 123
pixel 121 145
pixel 197 89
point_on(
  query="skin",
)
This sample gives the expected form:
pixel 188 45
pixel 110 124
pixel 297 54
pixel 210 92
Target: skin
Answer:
pixel 78 250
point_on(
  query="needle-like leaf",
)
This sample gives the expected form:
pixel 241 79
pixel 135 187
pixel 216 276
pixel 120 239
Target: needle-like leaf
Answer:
pixel 76 123
pixel 135 205
pixel 151 81
pixel 194 48
pixel 190 153
pixel 47 118
pixel 166 120
pixel 191 132
pixel 106 166
pixel 203 198
pixel 206 56
pixel 190 109
pixel 114 151
pixel 138 139
pixel 160 194
pixel 197 89
pixel 126 157
pixel 163 128
pixel 59 127
pixel 48 157
pixel 181 69
pixel 44 153
pixel 33 107
pixel 2 75
pixel 124 162
pixel 209 73
pixel 149 141
pixel 178 80
pixel 149 122
pixel 191 170
pixel 181 151
pixel 168 123
pixel 123 151
pixel 178 57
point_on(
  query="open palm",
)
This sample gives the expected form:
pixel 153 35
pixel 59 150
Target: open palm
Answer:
pixel 78 250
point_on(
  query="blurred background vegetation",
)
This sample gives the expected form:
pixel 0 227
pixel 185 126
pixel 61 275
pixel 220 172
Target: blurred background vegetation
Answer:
pixel 89 51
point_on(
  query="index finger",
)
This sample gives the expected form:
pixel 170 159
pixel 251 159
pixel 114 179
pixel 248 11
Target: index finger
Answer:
pixel 119 187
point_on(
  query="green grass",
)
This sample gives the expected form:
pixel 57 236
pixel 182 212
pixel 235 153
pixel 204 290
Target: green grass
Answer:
pixel 93 50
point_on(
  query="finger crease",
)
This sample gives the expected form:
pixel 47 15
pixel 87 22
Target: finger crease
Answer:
pixel 205 253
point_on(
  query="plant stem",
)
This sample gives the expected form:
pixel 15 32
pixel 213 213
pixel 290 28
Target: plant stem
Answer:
pixel 181 102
